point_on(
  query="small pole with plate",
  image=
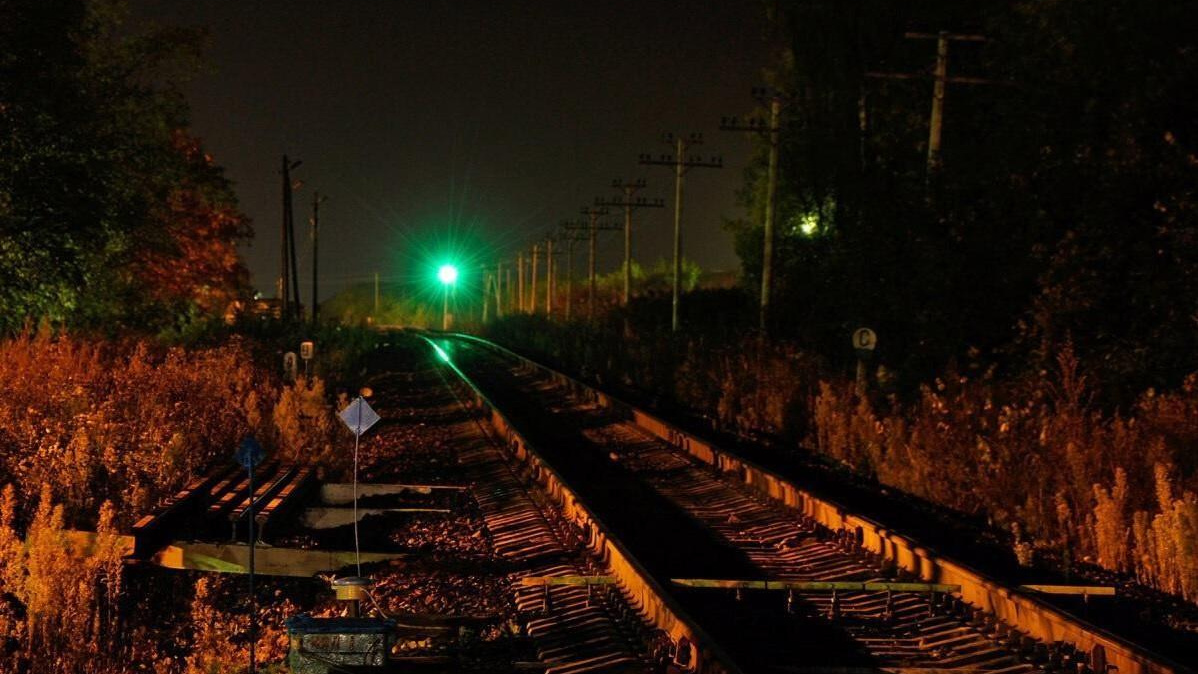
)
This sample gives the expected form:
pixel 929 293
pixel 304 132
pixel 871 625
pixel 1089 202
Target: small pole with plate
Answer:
pixel 290 367
pixel 864 343
pixel 249 454
pixel 358 416
pixel 307 351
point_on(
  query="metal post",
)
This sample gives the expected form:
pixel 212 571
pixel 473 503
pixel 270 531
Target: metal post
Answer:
pixel 767 258
pixel 679 173
pixel 357 439
pixel 445 308
pixel 253 599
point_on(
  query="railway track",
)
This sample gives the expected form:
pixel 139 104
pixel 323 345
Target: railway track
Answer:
pixel 709 530
pixel 573 629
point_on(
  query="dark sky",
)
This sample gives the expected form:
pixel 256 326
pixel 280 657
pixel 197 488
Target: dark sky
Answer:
pixel 427 122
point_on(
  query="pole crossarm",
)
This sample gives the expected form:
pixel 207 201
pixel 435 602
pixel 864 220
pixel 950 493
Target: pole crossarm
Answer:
pixel 815 585
pixel 635 203
pixel 692 161
pixel 606 227
pixel 956 37
pixel 950 79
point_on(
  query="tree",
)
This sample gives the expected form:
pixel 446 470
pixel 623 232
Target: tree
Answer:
pixel 1065 206
pixel 101 185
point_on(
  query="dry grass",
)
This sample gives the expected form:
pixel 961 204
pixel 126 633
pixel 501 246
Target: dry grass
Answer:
pixel 1032 455
pixel 93 435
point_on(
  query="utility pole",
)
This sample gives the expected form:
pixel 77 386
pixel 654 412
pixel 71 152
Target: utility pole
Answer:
pixel 287 273
pixel 520 282
pixel 550 281
pixel 532 300
pixel 771 132
pixel 629 203
pixel 511 298
pixel 592 227
pixel 486 291
pixel 499 290
pixel 570 237
pixel 681 163
pixel 940 79
pixel 317 200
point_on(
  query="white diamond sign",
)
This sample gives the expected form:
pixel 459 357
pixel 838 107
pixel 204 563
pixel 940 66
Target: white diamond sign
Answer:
pixel 359 416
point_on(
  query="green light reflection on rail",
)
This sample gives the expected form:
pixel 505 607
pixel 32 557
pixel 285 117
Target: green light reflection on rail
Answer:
pixel 440 352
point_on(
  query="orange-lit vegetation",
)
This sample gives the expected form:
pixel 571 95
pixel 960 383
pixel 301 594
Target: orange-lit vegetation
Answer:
pixel 93 435
pixel 1034 456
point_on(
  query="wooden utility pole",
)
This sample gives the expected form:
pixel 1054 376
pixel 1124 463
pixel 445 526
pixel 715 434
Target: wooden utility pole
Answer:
pixel 520 282
pixel 940 79
pixel 550 280
pixel 532 295
pixel 511 296
pixel 499 290
pixel 591 227
pixel 317 200
pixel 771 132
pixel 681 164
pixel 629 203
pixel 570 236
pixel 287 286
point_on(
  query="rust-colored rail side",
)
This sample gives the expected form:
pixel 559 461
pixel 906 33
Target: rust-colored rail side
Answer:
pixel 697 651
pixel 1015 607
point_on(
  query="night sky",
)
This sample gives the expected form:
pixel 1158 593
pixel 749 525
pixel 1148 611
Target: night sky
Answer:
pixel 477 124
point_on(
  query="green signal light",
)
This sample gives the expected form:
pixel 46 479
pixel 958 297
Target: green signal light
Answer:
pixel 447 274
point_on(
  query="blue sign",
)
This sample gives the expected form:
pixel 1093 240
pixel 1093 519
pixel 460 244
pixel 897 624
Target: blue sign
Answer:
pixel 250 453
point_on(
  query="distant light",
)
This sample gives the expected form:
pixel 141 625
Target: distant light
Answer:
pixel 448 274
pixel 809 224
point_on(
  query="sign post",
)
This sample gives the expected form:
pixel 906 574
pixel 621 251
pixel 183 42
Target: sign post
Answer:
pixel 864 343
pixel 359 417
pixel 249 454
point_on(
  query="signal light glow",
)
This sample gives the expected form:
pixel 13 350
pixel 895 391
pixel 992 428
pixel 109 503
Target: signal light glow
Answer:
pixel 448 274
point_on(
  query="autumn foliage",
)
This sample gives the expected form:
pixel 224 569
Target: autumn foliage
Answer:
pixel 92 436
